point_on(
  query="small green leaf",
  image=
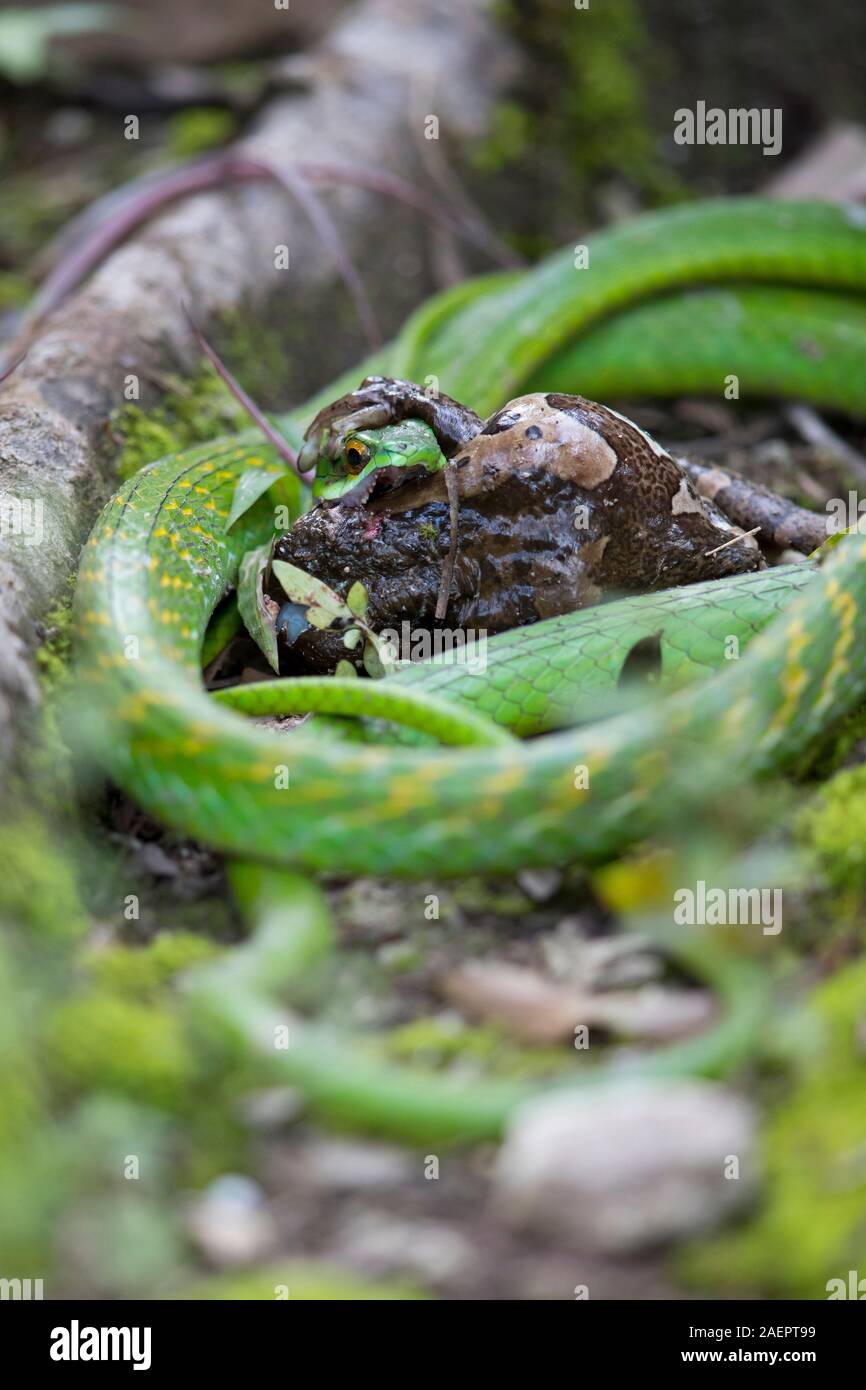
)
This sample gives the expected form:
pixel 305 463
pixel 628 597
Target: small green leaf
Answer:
pixel 301 587
pixel 357 599
pixel 258 611
pixel 249 488
pixel 287 492
pixel 321 617
pixel 372 662
pixel 346 670
pixel 832 541
pixel 352 638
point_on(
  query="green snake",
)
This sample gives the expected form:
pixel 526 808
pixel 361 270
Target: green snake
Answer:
pixel 675 301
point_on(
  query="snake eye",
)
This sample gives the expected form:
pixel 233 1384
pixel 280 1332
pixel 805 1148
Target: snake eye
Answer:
pixel 356 455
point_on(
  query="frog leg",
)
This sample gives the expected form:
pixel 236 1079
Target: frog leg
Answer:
pixel 380 401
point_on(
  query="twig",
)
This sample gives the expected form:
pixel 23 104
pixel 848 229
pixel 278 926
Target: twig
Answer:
pixel 129 207
pixel 7 371
pixel 733 541
pixel 814 430
pixel 113 217
pixel 284 449
pixel 453 490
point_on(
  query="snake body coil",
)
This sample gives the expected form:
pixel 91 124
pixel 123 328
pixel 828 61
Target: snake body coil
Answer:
pixel 167 547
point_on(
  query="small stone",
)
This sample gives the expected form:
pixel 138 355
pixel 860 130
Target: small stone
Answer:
pixel 632 1164
pixel 398 956
pixel 539 885
pixel 271 1109
pixel 355 1166
pixel 228 1222
pixel 606 962
pixel 377 1243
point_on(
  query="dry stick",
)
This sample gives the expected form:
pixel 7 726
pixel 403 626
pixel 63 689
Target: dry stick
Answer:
pixel 442 175
pixel 733 541
pixel 472 228
pixel 142 201
pixel 283 447
pixel 326 227
pixel 810 426
pixel 7 371
pixel 133 204
pixel 452 487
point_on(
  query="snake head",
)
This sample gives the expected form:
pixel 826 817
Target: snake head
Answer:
pixel 374 461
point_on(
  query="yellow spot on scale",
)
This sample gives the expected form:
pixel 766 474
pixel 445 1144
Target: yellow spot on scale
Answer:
pixel 844 608
pixel 500 783
pixel 793 679
pixel 407 791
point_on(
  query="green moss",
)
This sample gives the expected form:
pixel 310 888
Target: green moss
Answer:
pixel 15 290
pixel 52 657
pixel 590 106
pixel 142 972
pixel 190 413
pixel 201 408
pixel 258 354
pixel 833 830
pixel 32 209
pixel 102 1042
pixel 199 128
pixel 38 891
pixel 812 1224
pixel 436 1043
pixel 507 140
pixel 20 1091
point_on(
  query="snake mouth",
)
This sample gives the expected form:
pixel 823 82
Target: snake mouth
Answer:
pixel 376 484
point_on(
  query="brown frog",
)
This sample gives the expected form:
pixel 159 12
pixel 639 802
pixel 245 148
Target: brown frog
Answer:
pixel 552 504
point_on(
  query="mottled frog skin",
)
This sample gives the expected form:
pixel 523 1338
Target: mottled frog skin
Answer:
pixel 563 503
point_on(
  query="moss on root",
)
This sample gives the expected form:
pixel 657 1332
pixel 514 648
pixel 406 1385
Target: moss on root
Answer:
pixel 201 407
pixel 191 412
pixel 38 891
